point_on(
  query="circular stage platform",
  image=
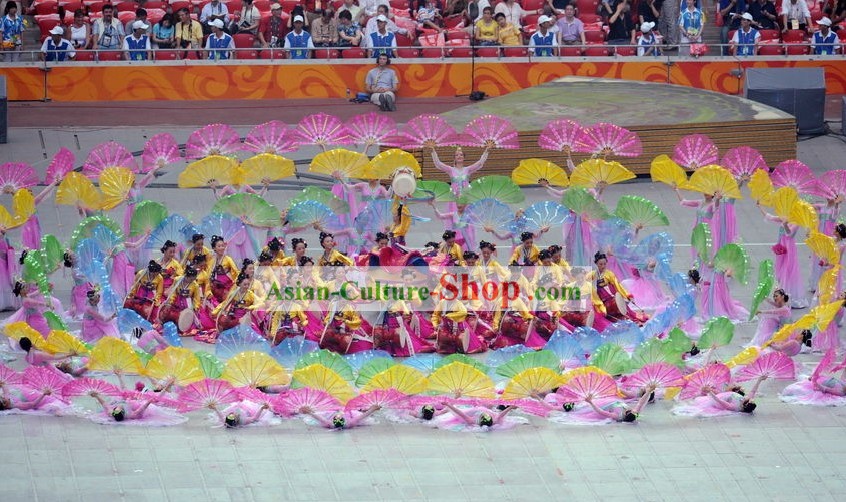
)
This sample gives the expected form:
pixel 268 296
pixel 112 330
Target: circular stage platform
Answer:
pixel 661 114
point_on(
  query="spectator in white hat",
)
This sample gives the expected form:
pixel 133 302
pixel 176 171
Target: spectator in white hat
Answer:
pixel 372 26
pixel 542 43
pixel 745 40
pixel 647 43
pixel 298 42
pixel 219 45
pixel 55 47
pixel 140 15
pixel 795 15
pixel 382 41
pixel 137 45
pixel 824 41
pixel 212 11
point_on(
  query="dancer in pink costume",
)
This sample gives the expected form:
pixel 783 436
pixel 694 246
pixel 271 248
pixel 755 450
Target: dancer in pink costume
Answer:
pixel 477 418
pixel 359 194
pixel 8 270
pixel 458 174
pixel 134 197
pixel 136 411
pixel 705 210
pixel 646 287
pixel 771 320
pixel 243 414
pixel 81 286
pixel 35 357
pixel 713 404
pixel 602 411
pixel 454 220
pixel 33 306
pixel 717 300
pixel 392 333
pixel 29 401
pixel 341 420
pixel 786 260
pixel 150 341
pixel 96 325
pixel 31 230
pixel 828 214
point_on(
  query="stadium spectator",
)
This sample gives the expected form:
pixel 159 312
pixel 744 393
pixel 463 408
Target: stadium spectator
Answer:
pixel 313 9
pixel 355 11
pixel 298 42
pixel 12 32
pixel 349 33
pixel 764 14
pixel 514 13
pixel 429 17
pixel 795 15
pixel 382 41
pixel 836 11
pixel 324 29
pixel 164 33
pixel 140 15
pixel 56 47
pixel 649 11
pixel 189 33
pixel 824 41
pixel 137 45
pixel 571 30
pixel 248 20
pixel 745 40
pixel 107 31
pixel 508 33
pixel 621 29
pixel 647 43
pixel 220 44
pixel 487 30
pixel 731 11
pixel 542 42
pixel 212 11
pixel 691 24
pixel 382 84
pixel 454 7
pixel 79 31
pixel 272 29
pixel 392 27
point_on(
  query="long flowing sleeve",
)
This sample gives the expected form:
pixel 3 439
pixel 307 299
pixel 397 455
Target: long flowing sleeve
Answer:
pixel 472 168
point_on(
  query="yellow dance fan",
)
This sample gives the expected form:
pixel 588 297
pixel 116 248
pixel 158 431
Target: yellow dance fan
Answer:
pixel 823 314
pixel 21 329
pixel 254 369
pixel 214 170
pixel 783 201
pixel 665 170
pixel 824 247
pixel 743 357
pixel 827 286
pixel 583 370
pixel 461 380
pixel 804 215
pixel 176 364
pixel 7 221
pixel 761 187
pixel 531 382
pixel 62 342
pixel 265 168
pixel 23 205
pixel 115 183
pixel 403 378
pixel 319 377
pixel 532 171
pixel 383 165
pixel 592 172
pixel 115 355
pixel 350 164
pixel 714 180
pixel 77 190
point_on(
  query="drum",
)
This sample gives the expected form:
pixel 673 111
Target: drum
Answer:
pixel 404 184
pixel 186 320
pixel 453 338
pixel 335 340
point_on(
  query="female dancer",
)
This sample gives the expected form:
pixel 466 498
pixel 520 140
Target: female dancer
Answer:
pixel 300 246
pixel 402 221
pixel 458 174
pixel 772 319
pixel 580 311
pixel 368 190
pixel 717 300
pixel 184 295
pixel 609 297
pixel 8 269
pixel 33 306
pixel 452 332
pixel 786 263
pixel 240 414
pixel 95 325
pixel 137 410
pixel 455 221
pixel 342 332
pixel 392 333
pixel 476 417
pixel 232 311
pixel 619 411
pixel 197 248
pixel 222 272
pixel 81 286
pixel 516 325
pixel 828 214
pixel 450 250
pixel 143 296
pixel 340 420
pixel 287 321
pixel 275 249
pixel 733 400
pixel 526 254
pixel 35 357
pixel 705 210
pixel 646 286
pixel 330 254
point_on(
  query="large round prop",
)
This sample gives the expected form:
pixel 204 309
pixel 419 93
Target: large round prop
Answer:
pixel 403 182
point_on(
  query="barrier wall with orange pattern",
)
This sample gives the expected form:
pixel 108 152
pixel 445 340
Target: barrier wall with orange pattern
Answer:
pixel 185 81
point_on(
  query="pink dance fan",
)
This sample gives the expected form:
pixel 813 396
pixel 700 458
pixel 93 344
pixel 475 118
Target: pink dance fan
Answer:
pixel 272 137
pixel 109 154
pixel 656 375
pixel 46 380
pixel 90 387
pixel 296 401
pixel 825 363
pixel 605 140
pixel 712 377
pixel 383 398
pixel 695 151
pixel 774 365
pixel 589 386
pixel 157 398
pixel 255 396
pixel 159 151
pixel 208 393
pixel 792 173
pixel 371 129
pixel 428 131
pixel 9 377
pixel 323 130
pixel 16 175
pixel 560 136
pixel 213 139
pixel 743 161
pixel 490 131
pixel 833 183
pixel 61 165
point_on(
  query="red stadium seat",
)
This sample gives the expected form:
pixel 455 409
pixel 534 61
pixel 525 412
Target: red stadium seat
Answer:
pixel 287 5
pixel 770 50
pixel 154 4
pixel 408 52
pixel 399 4
pixel 841 35
pixel 595 37
pixel 586 7
pixel 47 7
pixel 326 54
pixel 596 51
pixel 515 52
pixel 154 15
pixel 165 55
pixel 180 4
pixel 264 5
pixel 571 51
pixel 452 21
pixel 533 4
pixel 589 18
pixel 432 52
pixel 769 34
pixel 403 40
pixel 626 51
pixel 98 7
pixel 531 20
pixel 246 54
pixel 793 36
pixel 354 53
pixel 797 49
pixel 460 52
pixel 72 6
pixel 84 56
pixel 125 16
pixel 487 52
pixel 126 7
pixel 234 7
pixel 244 40
pixel 109 55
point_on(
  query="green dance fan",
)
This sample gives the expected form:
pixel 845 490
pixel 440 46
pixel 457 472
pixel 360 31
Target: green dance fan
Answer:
pixel 323 196
pixel 372 368
pixel 654 351
pixel 677 342
pixel 611 358
pixel 54 321
pixel 766 281
pixel 718 332
pixel 52 253
pixel 148 215
pixel 529 360
pixel 700 239
pixel 427 189
pixel 212 366
pixel 250 208
pixel 581 202
pixel 464 359
pixel 86 227
pixel 733 261
pixel 496 187
pixel 640 212
pixel 33 271
pixel 330 360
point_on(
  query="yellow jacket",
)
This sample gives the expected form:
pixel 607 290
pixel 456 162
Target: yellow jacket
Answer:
pixel 484 272
pixel 334 256
pixel 248 301
pixel 453 251
pixel 172 269
pixel 140 277
pixel 195 298
pixel 518 307
pixel 228 265
pixel 611 279
pixel 401 229
pixel 520 253
pixel 349 315
pixel 278 258
pixel 453 310
pixel 188 257
pixel 294 311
